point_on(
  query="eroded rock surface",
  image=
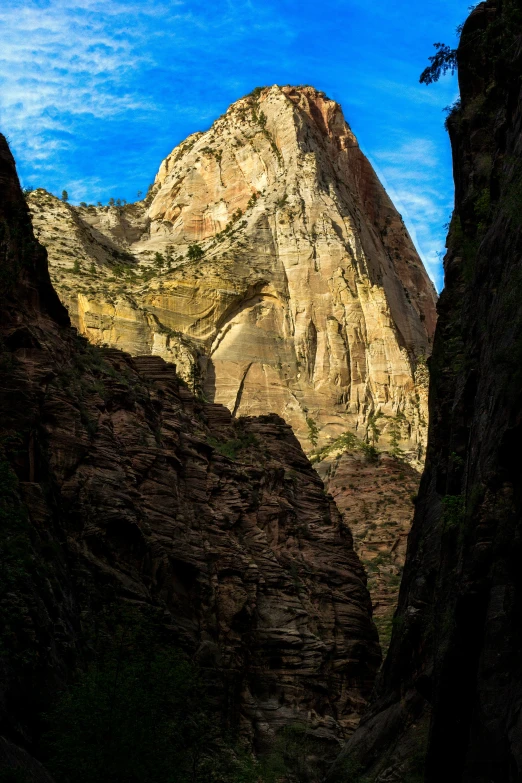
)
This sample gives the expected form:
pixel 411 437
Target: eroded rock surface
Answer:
pixel 375 498
pixel 118 487
pixel 309 299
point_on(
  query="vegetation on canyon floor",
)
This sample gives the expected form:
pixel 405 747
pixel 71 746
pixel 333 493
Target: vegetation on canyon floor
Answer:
pixel 143 713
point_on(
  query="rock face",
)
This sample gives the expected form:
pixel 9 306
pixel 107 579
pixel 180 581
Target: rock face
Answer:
pixel 117 486
pixel 456 644
pixel 375 497
pixel 302 293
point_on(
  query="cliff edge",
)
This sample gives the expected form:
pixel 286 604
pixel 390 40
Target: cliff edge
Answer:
pixel 447 706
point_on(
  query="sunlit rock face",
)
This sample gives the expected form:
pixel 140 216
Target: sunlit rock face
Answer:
pixel 309 299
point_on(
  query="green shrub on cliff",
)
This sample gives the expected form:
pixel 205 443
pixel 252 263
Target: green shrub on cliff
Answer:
pixel 231 448
pixel 394 431
pixel 256 92
pixel 313 430
pixel 159 261
pixel 499 34
pixel 195 252
pixel 347 442
pixel 131 717
pixel 141 713
pixel 453 507
pixel 373 431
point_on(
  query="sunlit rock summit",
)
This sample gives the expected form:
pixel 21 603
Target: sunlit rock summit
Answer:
pixel 269 264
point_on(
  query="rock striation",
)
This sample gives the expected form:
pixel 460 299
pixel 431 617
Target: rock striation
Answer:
pixel 119 487
pixel 268 263
pixel 448 703
pixel 375 497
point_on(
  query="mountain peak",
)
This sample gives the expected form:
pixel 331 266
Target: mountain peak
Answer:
pixel 267 261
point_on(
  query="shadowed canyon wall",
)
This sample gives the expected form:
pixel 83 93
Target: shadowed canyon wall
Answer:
pixel 448 703
pixel 119 488
pixel 268 257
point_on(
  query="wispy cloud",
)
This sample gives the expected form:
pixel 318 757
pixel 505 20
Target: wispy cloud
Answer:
pixel 415 152
pixel 96 92
pixel 414 176
pixel 70 66
pixel 60 60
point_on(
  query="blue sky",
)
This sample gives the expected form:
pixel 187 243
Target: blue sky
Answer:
pixel 95 93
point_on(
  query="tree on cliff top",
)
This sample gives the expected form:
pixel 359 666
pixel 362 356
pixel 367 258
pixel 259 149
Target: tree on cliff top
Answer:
pixel 444 60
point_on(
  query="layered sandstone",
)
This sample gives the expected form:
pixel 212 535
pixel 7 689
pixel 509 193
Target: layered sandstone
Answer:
pixel 307 299
pixel 376 499
pixel 119 488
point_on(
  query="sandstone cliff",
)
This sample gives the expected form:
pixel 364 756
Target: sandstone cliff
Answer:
pixel 268 256
pixel 375 497
pixel 119 487
pixel 456 647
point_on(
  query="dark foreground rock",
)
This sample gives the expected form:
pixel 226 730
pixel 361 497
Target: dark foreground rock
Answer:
pixel 118 487
pixel 456 648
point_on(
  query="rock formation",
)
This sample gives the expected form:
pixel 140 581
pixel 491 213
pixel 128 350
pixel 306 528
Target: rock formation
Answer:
pixel 268 263
pixel 456 645
pixel 119 487
pixel 375 497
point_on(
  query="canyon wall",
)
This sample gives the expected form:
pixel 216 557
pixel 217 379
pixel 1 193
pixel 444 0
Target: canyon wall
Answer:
pixel 268 262
pixel 375 496
pixel 119 488
pixel 447 706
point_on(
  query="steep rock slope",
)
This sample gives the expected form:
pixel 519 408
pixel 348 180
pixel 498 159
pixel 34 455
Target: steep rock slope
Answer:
pixel 301 293
pixel 456 646
pixel 375 497
pixel 118 487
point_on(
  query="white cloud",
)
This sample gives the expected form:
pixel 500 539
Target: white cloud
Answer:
pixel 73 60
pixel 416 94
pixel 410 174
pixel 68 61
pixel 416 152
